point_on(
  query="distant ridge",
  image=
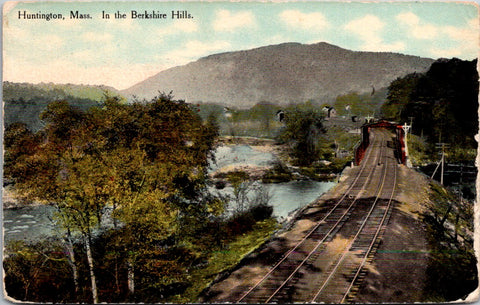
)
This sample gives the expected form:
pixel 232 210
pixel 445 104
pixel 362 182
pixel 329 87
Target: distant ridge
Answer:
pixel 283 73
pixel 23 102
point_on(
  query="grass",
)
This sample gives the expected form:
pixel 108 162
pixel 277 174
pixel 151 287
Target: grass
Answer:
pixel 223 260
pixel 421 152
pixel 417 150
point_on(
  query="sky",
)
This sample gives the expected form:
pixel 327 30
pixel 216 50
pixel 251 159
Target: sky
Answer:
pixel 122 52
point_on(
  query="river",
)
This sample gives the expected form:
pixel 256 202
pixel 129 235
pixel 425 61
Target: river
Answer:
pixel 30 223
pixel 33 223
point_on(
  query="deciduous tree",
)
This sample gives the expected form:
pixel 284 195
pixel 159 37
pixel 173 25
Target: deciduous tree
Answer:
pixel 146 161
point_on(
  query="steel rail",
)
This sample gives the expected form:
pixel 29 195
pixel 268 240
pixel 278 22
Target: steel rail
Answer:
pixel 350 245
pixel 315 228
pixel 377 233
pixel 334 227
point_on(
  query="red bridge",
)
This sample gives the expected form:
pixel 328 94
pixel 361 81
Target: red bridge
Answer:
pixel 399 144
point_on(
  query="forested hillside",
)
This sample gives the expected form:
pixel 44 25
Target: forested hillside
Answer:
pixel 23 102
pixel 442 103
pixel 282 74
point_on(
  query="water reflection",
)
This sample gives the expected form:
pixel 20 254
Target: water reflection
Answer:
pixel 285 197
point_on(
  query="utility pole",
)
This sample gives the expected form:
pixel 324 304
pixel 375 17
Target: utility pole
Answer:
pixel 441 146
pixel 411 123
pixel 443 166
pixel 337 148
pixel 406 128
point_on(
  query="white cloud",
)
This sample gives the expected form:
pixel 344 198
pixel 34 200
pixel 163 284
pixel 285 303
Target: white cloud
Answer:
pixel 297 19
pixel 466 38
pixel 416 28
pixel 82 56
pixel 369 29
pixel 32 47
pixel 186 26
pixel 427 31
pixel 276 39
pixel 470 34
pixel 387 47
pixel 408 18
pixel 225 21
pixel 47 42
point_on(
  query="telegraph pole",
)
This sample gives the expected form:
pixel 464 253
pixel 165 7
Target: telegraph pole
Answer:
pixel 411 123
pixel 441 146
pixel 406 128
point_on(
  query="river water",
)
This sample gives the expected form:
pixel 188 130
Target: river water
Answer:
pixel 240 154
pixel 33 223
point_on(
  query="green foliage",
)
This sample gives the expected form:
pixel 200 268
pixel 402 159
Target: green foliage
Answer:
pixel 37 272
pixel 303 130
pixel 360 104
pixel 258 121
pixel 237 177
pixel 442 103
pixel 147 161
pixel 452 271
pixel 20 144
pixel 51 91
pixel 400 93
pixel 222 259
pixel 23 102
pixel 277 174
pixel 264 112
pixel 247 194
pixel 419 151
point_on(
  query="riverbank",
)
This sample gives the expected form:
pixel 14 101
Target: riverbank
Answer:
pixel 221 262
pixel 244 151
pixel 11 201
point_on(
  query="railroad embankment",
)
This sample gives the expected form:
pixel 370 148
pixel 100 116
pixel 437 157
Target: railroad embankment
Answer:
pixel 425 254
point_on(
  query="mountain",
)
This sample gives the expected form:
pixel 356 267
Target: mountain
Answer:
pixel 23 102
pixel 284 73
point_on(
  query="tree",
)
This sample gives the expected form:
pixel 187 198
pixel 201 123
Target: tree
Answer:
pixel 58 170
pixel 303 129
pixel 264 112
pixel 31 269
pixel 442 102
pixel 146 161
pixel 399 94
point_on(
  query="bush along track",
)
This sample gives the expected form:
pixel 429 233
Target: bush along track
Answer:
pixel 452 270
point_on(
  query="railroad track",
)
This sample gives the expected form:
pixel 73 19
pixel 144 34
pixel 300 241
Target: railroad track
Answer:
pixel 310 271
